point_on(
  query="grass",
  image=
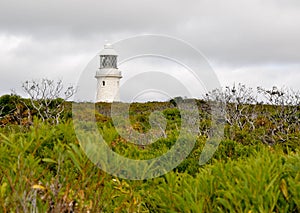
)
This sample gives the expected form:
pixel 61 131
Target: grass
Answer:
pixel 43 169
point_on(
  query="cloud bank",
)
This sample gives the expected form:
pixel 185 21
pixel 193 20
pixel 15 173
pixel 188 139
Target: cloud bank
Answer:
pixel 254 42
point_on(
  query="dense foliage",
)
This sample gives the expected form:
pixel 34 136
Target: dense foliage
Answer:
pixel 256 168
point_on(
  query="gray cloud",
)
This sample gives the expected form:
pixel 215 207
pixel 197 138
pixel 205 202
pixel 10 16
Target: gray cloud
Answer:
pixel 244 40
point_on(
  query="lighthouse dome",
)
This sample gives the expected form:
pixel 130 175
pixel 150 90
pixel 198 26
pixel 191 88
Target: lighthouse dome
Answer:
pixel 108 50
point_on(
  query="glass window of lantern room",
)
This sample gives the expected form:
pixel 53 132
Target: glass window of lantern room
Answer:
pixel 114 61
pixel 108 61
pixel 103 60
pixel 111 61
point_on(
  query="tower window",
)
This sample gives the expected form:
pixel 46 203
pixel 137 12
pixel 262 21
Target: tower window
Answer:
pixel 103 83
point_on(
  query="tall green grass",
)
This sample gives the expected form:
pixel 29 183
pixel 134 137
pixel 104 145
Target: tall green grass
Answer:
pixel 267 181
pixel 43 169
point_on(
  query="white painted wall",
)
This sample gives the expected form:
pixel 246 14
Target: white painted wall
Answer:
pixel 110 91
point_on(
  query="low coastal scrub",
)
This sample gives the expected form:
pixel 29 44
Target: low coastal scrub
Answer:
pixel 43 169
pixel 256 167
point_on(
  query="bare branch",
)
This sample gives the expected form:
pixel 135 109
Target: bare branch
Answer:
pixel 47 99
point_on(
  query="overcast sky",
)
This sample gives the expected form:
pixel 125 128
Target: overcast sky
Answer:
pixel 256 42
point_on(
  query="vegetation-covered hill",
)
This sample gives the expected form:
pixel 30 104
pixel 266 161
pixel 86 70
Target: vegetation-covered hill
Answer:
pixel 256 167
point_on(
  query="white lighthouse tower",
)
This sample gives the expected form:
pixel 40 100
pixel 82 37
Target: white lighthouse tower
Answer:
pixel 108 76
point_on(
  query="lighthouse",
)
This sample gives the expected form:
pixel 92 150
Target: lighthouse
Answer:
pixel 108 76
